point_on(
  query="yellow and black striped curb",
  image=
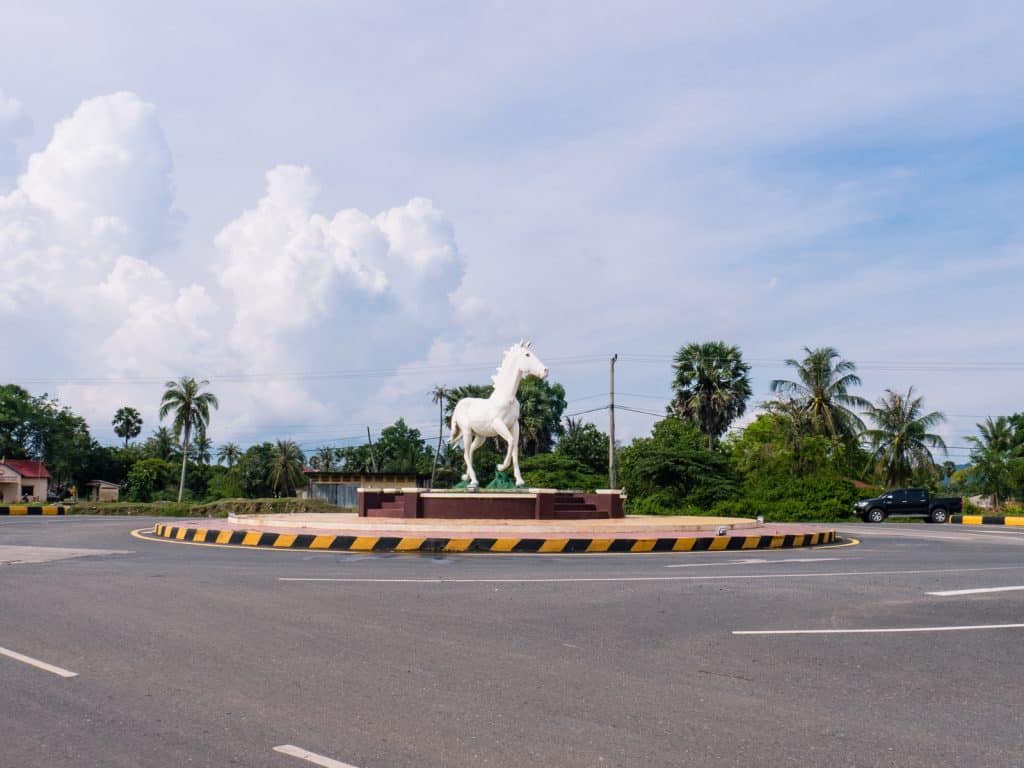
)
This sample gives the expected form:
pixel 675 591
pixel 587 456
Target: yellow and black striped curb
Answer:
pixel 537 546
pixel 28 509
pixel 987 519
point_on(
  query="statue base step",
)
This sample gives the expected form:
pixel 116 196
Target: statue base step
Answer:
pixel 519 504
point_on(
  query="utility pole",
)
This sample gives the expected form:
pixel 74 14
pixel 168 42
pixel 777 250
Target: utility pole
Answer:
pixel 373 459
pixel 611 426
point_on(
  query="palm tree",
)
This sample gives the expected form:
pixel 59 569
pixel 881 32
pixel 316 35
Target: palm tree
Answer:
pixel 229 454
pixel 201 449
pixel 900 441
pixel 127 423
pixel 996 463
pixel 286 462
pixel 711 386
pixel 324 458
pixel 438 395
pixel 821 392
pixel 191 410
pixel 160 445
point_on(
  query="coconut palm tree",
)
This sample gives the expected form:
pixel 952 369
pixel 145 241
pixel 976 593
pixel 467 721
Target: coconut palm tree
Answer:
pixel 286 462
pixel 127 423
pixel 996 463
pixel 711 386
pixel 438 395
pixel 191 412
pixel 201 450
pixel 160 444
pixel 900 440
pixel 229 454
pixel 821 392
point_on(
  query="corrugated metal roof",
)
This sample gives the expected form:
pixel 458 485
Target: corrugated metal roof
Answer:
pixel 27 467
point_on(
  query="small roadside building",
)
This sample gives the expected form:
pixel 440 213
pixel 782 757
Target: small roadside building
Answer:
pixel 23 479
pixel 101 490
pixel 339 488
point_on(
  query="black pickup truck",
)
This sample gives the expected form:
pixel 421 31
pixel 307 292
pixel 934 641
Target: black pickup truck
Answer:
pixel 908 502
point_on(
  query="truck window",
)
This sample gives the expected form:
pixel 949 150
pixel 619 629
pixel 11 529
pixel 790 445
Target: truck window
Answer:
pixel 916 496
pixel 897 497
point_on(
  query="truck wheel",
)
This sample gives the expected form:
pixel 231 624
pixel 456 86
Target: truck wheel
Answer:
pixel 875 515
pixel 938 515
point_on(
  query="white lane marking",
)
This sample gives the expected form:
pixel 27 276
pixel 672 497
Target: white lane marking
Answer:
pixel 981 591
pixel 888 630
pixel 976 537
pixel 563 580
pixel 311 757
pixel 760 561
pixel 18 555
pixel 37 663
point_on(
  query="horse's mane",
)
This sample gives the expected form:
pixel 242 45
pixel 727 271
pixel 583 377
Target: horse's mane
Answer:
pixel 522 345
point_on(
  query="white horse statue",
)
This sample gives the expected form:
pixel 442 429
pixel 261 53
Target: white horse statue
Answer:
pixel 475 418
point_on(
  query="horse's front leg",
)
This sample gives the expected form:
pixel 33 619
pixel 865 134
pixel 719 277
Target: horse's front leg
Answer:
pixel 515 453
pixel 511 436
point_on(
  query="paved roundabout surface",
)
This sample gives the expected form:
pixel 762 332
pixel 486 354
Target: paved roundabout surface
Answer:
pixel 121 650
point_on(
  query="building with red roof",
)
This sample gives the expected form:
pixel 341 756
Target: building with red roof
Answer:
pixel 23 479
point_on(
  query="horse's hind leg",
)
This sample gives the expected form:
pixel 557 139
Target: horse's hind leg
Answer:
pixel 472 442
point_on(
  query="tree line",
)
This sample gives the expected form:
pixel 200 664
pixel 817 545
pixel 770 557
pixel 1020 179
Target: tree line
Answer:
pixel 812 450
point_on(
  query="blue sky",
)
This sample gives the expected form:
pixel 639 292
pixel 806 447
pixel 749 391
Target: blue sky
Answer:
pixel 282 197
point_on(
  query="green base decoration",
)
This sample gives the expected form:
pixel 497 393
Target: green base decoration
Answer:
pixel 501 482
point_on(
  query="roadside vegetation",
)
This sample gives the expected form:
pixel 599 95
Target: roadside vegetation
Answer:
pixel 809 452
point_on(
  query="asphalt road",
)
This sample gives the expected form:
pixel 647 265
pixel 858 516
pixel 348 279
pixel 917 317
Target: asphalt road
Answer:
pixel 186 655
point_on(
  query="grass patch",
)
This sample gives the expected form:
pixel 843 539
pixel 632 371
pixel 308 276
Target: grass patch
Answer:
pixel 220 508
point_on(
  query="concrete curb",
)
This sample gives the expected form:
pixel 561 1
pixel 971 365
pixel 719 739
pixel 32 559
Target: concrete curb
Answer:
pixel 29 509
pixel 409 544
pixel 987 520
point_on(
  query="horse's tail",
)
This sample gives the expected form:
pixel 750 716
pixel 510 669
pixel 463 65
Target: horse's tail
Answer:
pixel 456 432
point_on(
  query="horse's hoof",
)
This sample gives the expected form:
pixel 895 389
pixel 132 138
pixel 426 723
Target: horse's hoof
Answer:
pixel 471 488
pixel 465 478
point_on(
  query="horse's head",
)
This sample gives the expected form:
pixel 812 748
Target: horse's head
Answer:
pixel 527 362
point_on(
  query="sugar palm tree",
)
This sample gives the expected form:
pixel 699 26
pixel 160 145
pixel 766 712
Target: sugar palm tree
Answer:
pixel 712 386
pixel 996 462
pixel 191 412
pixel 228 454
pixel 127 423
pixel 438 395
pixel 821 393
pixel 286 462
pixel 900 440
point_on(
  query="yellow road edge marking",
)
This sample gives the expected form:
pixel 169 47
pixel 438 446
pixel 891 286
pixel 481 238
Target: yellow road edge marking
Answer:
pixel 285 539
pixel 504 545
pixel 643 545
pixel 322 542
pixel 851 543
pixel 364 543
pixel 553 545
pixel 224 537
pixel 200 536
pixel 972 520
pixel 751 542
pixel 1015 520
pixel 180 535
pixel 409 544
pixel 718 544
pixel 683 545
pixel 599 545
pixel 457 545
pixel 252 538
